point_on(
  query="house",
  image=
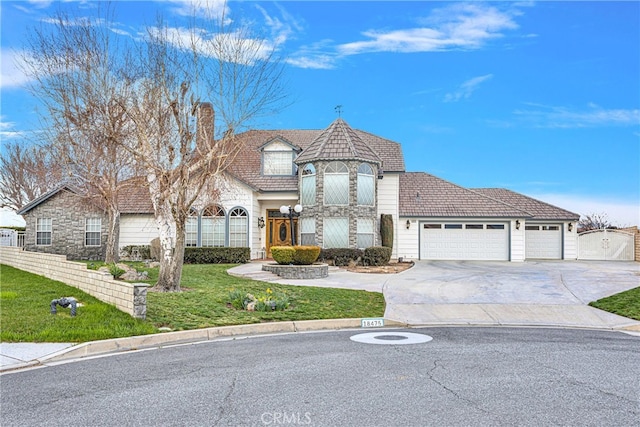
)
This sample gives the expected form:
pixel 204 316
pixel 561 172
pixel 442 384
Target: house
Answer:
pixel 343 179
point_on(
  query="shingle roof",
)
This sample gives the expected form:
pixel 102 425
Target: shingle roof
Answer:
pixel 425 195
pixel 46 196
pixel 537 208
pixel 247 165
pixel 338 142
pixel 134 198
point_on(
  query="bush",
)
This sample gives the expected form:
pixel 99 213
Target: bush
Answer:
pixel 116 271
pixel 144 251
pixel 283 254
pixel 306 255
pixel 341 256
pixel 377 255
pixel 216 255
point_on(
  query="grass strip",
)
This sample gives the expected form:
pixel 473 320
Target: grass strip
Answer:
pixel 625 303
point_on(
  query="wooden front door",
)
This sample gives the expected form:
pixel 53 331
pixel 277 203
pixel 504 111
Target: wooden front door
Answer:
pixel 278 230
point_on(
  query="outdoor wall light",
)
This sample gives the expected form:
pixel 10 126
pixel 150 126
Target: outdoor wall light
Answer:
pixel 517 224
pixel 408 224
pixel 570 226
pixel 261 223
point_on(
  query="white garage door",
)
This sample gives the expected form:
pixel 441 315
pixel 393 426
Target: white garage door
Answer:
pixel 465 241
pixel 543 241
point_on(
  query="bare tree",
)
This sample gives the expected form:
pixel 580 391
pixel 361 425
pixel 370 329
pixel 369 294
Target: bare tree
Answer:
pixel 239 77
pixel 76 66
pixel 594 221
pixel 26 172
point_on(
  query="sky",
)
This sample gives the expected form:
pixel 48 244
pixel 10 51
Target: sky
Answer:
pixel 542 97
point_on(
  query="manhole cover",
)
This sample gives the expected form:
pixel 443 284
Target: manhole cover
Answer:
pixel 393 338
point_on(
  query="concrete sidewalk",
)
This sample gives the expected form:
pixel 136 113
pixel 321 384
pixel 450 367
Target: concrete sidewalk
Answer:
pixel 432 293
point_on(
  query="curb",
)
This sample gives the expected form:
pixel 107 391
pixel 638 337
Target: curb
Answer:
pixel 117 345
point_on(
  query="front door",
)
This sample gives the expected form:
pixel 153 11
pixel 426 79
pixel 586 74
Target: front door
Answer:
pixel 278 230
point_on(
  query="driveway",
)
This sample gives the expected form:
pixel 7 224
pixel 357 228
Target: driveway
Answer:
pixel 553 293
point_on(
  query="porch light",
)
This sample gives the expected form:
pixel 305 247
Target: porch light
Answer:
pixel 261 223
pixel 408 224
pixel 570 226
pixel 517 224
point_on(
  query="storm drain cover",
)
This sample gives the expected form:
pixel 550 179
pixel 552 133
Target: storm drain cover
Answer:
pixel 393 338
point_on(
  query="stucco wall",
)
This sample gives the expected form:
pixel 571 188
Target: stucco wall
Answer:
pixel 68 213
pixel 128 297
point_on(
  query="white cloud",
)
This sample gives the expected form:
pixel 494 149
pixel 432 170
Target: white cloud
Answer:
pixel 620 213
pixel 11 75
pixel 459 26
pixel 467 88
pixel 6 130
pixel 207 9
pixel 564 117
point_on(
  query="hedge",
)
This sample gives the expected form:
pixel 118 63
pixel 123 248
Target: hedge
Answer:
pixel 341 256
pixel 376 256
pixel 217 255
pixel 283 254
pixel 306 255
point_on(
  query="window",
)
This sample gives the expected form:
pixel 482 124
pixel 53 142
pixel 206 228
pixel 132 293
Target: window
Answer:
pixel 92 232
pixel 213 226
pixel 336 184
pixel 308 197
pixel 336 233
pixel 532 227
pixel 43 231
pixel 434 226
pixel 495 226
pixel 307 231
pixel 365 233
pixel 453 226
pixel 277 159
pixel 366 185
pixel 191 229
pixel 473 226
pixel 238 228
pixel 550 228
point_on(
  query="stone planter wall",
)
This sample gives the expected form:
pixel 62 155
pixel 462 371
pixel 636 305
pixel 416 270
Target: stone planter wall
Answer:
pixel 314 271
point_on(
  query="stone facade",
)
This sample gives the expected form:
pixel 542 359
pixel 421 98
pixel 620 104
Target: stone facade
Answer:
pixel 319 211
pixel 315 271
pixel 68 212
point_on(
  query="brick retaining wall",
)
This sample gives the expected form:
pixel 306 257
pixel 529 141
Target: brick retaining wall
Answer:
pixel 128 297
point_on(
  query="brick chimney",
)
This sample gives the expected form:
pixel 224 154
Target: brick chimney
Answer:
pixel 205 120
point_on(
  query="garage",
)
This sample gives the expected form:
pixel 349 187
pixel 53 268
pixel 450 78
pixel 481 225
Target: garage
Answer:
pixel 543 241
pixel 464 241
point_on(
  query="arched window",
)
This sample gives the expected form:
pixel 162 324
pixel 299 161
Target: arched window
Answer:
pixel 191 229
pixel 336 184
pixel 308 190
pixel 213 226
pixel 238 228
pixel 366 185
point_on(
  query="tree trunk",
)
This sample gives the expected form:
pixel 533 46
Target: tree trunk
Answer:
pixel 112 251
pixel 171 251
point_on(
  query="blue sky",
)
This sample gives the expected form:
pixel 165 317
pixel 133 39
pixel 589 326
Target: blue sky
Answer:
pixel 539 97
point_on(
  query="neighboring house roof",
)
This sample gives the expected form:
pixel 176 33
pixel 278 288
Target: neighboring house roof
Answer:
pixel 537 208
pixel 46 196
pixel 424 195
pixel 338 142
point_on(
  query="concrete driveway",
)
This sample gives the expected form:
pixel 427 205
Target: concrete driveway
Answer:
pixel 547 293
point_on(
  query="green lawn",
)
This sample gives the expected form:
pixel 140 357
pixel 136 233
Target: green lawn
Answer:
pixel 25 299
pixel 625 304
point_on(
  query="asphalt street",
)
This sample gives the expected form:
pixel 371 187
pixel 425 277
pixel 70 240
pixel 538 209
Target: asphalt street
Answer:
pixel 463 376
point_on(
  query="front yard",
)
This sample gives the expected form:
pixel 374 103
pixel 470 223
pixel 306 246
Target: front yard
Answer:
pixel 204 302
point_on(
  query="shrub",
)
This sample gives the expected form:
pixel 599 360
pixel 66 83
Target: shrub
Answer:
pixel 306 255
pixel 144 251
pixel 341 256
pixel 377 255
pixel 283 254
pixel 386 230
pixel 216 255
pixel 116 271
pixel 269 301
